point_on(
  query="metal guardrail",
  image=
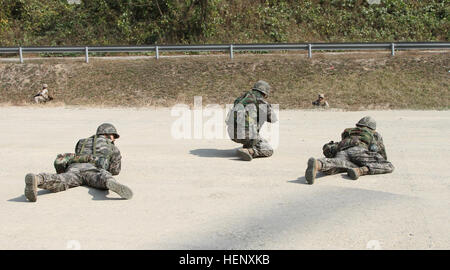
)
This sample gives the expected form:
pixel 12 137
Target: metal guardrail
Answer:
pixel 232 48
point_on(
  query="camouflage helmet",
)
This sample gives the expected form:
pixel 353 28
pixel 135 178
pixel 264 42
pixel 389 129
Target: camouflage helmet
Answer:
pixel 321 96
pixel 107 128
pixel 367 121
pixel 44 85
pixel 262 87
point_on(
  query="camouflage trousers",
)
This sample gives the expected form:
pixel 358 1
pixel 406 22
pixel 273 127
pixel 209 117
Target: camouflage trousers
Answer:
pixel 356 157
pixel 76 175
pixel 260 146
pixel 40 99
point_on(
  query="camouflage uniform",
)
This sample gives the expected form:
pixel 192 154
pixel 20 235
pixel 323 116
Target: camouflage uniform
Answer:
pixel 321 102
pixel 95 161
pixel 249 113
pixel 42 96
pixel 361 151
pixel 353 152
pixel 107 162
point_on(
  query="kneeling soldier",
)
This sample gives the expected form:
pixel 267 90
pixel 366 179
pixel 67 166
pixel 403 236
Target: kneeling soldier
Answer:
pixel 249 113
pixel 321 102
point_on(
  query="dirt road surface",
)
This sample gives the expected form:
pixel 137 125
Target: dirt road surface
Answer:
pixel 195 194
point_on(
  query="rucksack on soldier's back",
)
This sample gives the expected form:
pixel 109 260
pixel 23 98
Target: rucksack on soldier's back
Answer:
pixel 63 161
pixel 330 149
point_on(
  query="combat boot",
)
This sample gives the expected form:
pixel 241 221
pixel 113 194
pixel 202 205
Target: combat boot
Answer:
pixel 123 191
pixel 355 173
pixel 245 153
pixel 31 183
pixel 313 167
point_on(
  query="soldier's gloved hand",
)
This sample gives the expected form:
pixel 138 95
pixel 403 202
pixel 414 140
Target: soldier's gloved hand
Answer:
pixel 373 147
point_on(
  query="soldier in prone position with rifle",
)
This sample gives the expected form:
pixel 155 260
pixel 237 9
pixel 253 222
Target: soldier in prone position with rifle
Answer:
pixel 360 152
pixel 95 161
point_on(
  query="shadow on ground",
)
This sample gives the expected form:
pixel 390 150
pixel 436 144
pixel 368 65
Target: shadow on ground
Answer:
pixel 302 179
pixel 346 177
pixel 97 195
pixel 22 197
pixel 219 153
pixel 100 194
pixel 260 227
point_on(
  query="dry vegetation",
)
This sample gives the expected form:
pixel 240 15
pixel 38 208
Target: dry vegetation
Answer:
pixel 350 81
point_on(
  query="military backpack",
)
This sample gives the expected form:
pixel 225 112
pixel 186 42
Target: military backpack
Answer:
pixel 357 136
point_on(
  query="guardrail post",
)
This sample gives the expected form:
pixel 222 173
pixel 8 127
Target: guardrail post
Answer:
pixel 231 51
pixel 20 55
pixel 157 52
pixel 392 49
pixel 86 54
pixel 309 51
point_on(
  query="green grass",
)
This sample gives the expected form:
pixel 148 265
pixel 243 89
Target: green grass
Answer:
pixel 137 22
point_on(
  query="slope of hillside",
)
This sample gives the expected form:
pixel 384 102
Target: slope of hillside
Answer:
pixel 350 81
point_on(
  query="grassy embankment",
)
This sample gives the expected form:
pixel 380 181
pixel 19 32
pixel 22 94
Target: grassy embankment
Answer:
pixel 351 81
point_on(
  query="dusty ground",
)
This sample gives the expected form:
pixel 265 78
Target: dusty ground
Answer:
pixel 194 194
